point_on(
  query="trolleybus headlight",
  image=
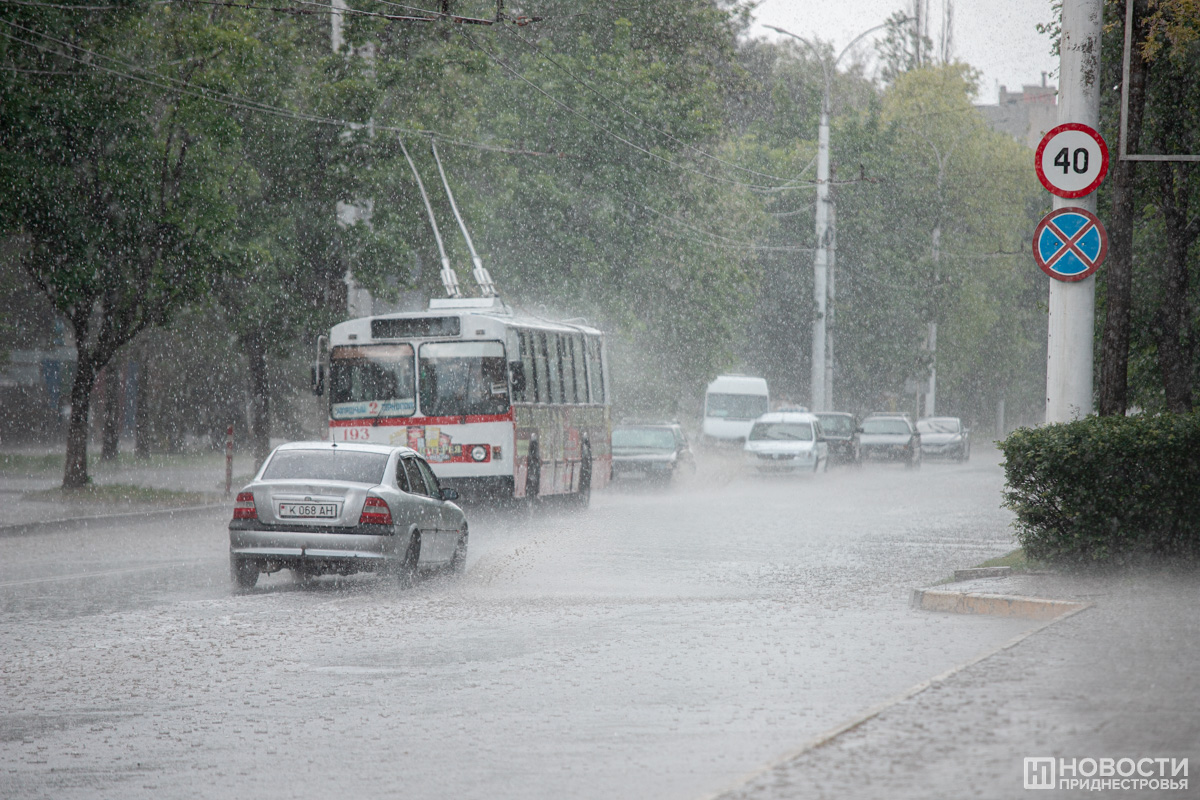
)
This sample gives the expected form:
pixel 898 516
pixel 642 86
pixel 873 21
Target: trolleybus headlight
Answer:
pixel 479 453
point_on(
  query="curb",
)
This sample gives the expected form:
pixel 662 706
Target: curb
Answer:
pixel 981 572
pixel 997 605
pixel 49 525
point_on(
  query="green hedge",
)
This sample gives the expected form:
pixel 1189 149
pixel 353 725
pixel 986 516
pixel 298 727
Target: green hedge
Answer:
pixel 1107 490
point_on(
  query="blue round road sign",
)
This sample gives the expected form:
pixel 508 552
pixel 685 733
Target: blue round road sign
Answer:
pixel 1070 244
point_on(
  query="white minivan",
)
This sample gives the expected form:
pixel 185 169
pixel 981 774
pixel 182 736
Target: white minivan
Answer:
pixel 731 404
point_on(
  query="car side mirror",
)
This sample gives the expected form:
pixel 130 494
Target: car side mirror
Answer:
pixel 449 494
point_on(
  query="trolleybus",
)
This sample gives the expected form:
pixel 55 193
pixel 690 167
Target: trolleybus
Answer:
pixel 500 403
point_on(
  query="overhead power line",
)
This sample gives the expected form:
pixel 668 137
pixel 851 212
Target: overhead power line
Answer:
pixel 167 83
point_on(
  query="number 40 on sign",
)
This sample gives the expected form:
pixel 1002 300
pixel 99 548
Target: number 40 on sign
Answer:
pixel 1071 160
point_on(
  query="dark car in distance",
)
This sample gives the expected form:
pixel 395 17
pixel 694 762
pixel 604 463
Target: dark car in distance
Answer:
pixel 840 430
pixel 944 437
pixel 890 437
pixel 650 452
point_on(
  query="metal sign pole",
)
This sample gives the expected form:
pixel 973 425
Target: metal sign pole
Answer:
pixel 1073 305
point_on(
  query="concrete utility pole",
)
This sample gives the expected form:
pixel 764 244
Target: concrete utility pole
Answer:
pixel 337 10
pixel 1073 305
pixel 831 306
pixel 821 259
pixel 822 358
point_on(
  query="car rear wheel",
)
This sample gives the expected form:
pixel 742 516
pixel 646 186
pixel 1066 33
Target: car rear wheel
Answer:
pixel 406 570
pixel 458 562
pixel 243 572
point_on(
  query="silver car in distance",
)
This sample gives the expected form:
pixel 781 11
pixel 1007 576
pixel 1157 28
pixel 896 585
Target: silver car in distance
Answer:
pixel 320 508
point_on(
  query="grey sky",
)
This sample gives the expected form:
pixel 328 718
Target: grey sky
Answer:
pixel 997 37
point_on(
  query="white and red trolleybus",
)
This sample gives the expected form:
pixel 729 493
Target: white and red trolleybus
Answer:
pixel 500 403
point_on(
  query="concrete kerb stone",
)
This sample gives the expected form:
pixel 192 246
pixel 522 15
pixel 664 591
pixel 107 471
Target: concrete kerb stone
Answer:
pixel 50 525
pixel 997 605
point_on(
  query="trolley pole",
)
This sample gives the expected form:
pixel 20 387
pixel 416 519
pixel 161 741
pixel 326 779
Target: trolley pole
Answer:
pixel 1073 305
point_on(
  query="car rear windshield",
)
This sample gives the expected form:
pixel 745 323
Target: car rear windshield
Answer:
pixel 896 426
pixel 326 465
pixel 836 424
pixel 938 426
pixel 782 431
pixel 643 438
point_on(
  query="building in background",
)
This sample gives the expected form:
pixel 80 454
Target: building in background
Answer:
pixel 1025 115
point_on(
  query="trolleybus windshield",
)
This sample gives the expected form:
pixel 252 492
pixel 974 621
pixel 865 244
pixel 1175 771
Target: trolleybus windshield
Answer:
pixel 463 378
pixel 372 381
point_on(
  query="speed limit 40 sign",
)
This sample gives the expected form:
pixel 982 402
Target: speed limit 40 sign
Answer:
pixel 1071 160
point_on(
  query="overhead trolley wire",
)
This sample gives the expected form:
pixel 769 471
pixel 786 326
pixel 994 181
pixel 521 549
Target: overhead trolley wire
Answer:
pixel 170 84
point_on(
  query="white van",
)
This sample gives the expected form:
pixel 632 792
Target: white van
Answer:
pixel 731 404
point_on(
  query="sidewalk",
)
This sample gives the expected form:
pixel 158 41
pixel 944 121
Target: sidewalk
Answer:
pixel 202 476
pixel 1120 679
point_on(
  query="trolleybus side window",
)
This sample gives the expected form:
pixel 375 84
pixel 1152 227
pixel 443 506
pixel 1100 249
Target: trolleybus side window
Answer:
pixel 581 392
pixel 371 381
pixel 594 367
pixel 527 360
pixel 521 359
pixel 568 367
pixel 463 378
pixel 555 372
pixel 542 367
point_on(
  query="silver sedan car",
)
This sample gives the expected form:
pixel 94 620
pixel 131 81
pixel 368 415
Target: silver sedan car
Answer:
pixel 321 508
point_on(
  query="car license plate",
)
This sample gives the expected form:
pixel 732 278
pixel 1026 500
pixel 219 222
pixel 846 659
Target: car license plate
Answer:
pixel 308 510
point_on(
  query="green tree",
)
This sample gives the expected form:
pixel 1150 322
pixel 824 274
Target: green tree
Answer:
pixel 117 178
pixel 1149 331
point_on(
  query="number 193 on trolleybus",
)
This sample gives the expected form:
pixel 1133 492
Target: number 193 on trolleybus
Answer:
pixel 501 404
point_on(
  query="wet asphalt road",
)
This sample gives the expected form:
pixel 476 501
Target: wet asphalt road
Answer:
pixel 658 645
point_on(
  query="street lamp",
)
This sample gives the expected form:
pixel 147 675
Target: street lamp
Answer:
pixel 823 285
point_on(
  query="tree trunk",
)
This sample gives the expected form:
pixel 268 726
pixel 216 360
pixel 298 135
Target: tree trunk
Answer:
pixel 75 472
pixel 141 410
pixel 110 439
pixel 260 396
pixel 1118 267
pixel 1173 323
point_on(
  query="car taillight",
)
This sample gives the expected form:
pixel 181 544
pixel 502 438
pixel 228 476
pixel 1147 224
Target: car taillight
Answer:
pixel 375 512
pixel 244 509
